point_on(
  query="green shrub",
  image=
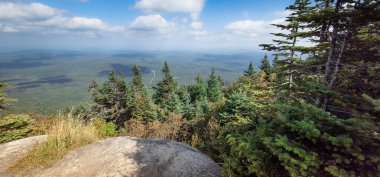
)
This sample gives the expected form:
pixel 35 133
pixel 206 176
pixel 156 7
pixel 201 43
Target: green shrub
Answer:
pixel 103 128
pixel 13 127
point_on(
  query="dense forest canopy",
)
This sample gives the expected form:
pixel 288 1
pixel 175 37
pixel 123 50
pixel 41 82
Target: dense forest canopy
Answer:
pixel 310 110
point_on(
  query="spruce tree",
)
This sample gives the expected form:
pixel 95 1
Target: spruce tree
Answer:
pixel 141 107
pixel 301 139
pixel 276 69
pixel 184 97
pixel 221 81
pixel 198 90
pixel 165 95
pixel 250 72
pixel 265 66
pixel 137 83
pixel 287 48
pixel 111 99
pixel 198 97
pixel 275 62
pixel 214 90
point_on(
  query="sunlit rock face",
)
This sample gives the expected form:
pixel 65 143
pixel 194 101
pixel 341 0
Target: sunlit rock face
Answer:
pixel 127 156
pixel 13 151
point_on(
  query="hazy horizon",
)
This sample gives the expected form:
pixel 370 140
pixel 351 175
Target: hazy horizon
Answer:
pixel 49 80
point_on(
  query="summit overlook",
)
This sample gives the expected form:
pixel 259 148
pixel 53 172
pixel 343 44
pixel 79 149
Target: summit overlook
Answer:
pixel 190 88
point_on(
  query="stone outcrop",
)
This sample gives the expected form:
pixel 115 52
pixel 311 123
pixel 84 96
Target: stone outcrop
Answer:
pixel 13 151
pixel 129 157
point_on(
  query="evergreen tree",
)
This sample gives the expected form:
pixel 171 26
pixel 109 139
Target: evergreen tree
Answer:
pixel 214 90
pixel 301 139
pixel 112 99
pixel 141 107
pixel 298 140
pixel 137 83
pixel 198 97
pixel 184 97
pixel 276 70
pixel 275 62
pixel 265 66
pixel 198 91
pixel 249 77
pixel 287 49
pixel 165 94
pixel 221 81
pixel 250 72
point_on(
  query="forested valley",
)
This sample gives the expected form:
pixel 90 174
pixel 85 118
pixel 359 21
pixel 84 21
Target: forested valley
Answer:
pixel 312 108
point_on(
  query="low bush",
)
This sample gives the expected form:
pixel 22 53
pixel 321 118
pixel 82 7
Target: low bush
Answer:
pixel 13 127
pixel 173 127
pixel 103 128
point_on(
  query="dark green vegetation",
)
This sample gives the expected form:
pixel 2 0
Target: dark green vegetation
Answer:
pixel 14 127
pixel 46 81
pixel 313 111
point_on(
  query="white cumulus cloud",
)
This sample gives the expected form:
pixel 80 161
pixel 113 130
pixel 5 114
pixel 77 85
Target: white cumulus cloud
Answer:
pixel 151 23
pixel 193 7
pixel 33 11
pixel 37 17
pixel 196 25
pixel 251 28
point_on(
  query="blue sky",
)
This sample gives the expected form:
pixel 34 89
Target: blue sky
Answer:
pixel 139 24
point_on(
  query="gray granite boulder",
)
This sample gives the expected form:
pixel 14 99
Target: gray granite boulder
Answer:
pixel 13 151
pixel 130 157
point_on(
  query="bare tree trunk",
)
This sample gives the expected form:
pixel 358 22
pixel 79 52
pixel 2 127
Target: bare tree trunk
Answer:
pixel 338 61
pixel 323 38
pixel 330 50
pixel 332 44
pixel 291 61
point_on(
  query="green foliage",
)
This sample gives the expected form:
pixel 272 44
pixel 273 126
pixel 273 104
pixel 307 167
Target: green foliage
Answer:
pixel 266 67
pixel 13 127
pixel 111 99
pixel 198 98
pixel 250 72
pixel 238 105
pixel 198 91
pixel 165 95
pixel 221 81
pixel 214 88
pixel 137 83
pixel 285 46
pixel 141 106
pixel 375 103
pixel 78 111
pixel 103 128
pixel 302 140
pixel 314 112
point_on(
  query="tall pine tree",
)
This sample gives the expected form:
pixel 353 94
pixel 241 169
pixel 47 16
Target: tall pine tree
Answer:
pixel 265 66
pixel 250 72
pixel 289 51
pixel 214 90
pixel 165 95
pixel 112 99
pixel 141 107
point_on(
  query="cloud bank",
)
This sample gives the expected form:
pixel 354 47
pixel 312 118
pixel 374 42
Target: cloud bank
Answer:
pixel 156 26
pixel 37 17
